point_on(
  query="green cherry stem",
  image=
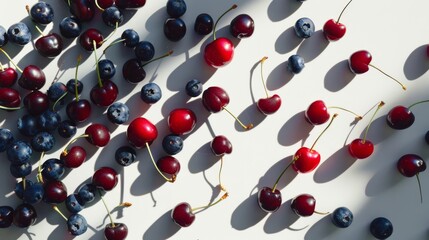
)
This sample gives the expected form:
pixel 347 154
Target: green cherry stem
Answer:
pixel 394 79
pixel 39 168
pixel 262 76
pixel 219 176
pixel 107 209
pixel 246 127
pixel 111 34
pixel 420 187
pixel 324 130
pixel 1 67
pixel 370 121
pixel 283 172
pixel 223 14
pixel 338 20
pixel 223 197
pixel 98 6
pixel 37 28
pixel 55 207
pixel 79 59
pixel 357 116
pixel 100 83
pixel 108 46
pixel 10 60
pixel 172 179
pixel 163 56
pixel 73 141
pixel 412 105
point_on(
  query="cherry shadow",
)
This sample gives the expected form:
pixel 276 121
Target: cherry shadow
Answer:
pixel 338 77
pixel 279 10
pixel 287 41
pixel 294 130
pixel 243 217
pixel 282 219
pixel 33 57
pixel 162 228
pixel 68 59
pixel 250 115
pixel 279 77
pixel 383 180
pixel 417 63
pixel 322 229
pixel 334 166
pixel 378 131
pixel 202 159
pixel 313 46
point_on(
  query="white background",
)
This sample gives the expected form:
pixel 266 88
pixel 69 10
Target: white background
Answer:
pixel 394 32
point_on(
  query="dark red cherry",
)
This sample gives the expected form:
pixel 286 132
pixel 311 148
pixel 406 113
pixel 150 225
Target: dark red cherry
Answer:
pixel 141 132
pixel 50 45
pixel 359 61
pixel 303 205
pixel 182 215
pixel 306 160
pixel 105 178
pixel 118 231
pixel 8 77
pixel 55 192
pixel 6 216
pixel 84 10
pixel 130 4
pixel 269 200
pixel 169 165
pixel 269 105
pixel 360 148
pixel 24 215
pixel 88 37
pixel 98 134
pixel 410 165
pixel 36 102
pixel 9 97
pixel 32 78
pixel 133 71
pixel 400 117
pixel 105 95
pixel 181 121
pixel 74 157
pixel 78 111
pixel 105 3
pixel 317 113
pixel 215 99
pixel 242 26
pixel 220 145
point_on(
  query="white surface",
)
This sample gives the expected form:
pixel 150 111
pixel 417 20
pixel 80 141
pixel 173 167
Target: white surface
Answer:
pixel 393 31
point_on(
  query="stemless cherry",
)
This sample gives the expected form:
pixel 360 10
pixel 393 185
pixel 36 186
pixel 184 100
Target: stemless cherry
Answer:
pixel 32 78
pixel 24 215
pixel 6 216
pixel 55 192
pixel 181 121
pixel 36 102
pixel 9 98
pixel 97 134
pixel 8 76
pixel 105 178
pixel 242 26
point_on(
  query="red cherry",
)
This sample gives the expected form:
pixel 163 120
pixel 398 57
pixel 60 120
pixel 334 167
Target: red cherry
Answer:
pixel 130 4
pixel 104 3
pixel 36 102
pixel 215 99
pixel 317 113
pixel 118 231
pixel 411 165
pixel 104 95
pixel 306 160
pixel 8 77
pixel 74 157
pixel 88 38
pixel 181 121
pixel 268 105
pixel 78 111
pixel 141 132
pixel 269 200
pixel 400 117
pixel 360 148
pixel 55 192
pixel 169 165
pixel 98 134
pixel 9 98
pixel 334 30
pixel 359 61
pixel 303 205
pixel 82 9
pixel 50 45
pixel 182 215
pixel 220 145
pixel 105 178
pixel 32 78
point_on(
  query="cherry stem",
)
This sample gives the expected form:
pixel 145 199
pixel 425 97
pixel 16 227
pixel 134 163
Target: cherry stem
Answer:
pixel 1 67
pixel 420 188
pixel 108 46
pixel 73 141
pixel 100 83
pixel 172 179
pixel 373 115
pixel 58 100
pixel 107 209
pixel 283 172
pixel 68 2
pixel 9 108
pixel 324 130
pixel 59 212
pixel 39 169
pixel 98 6
pixel 340 13
pixel 262 76
pixel 358 117
pixel 10 59
pixel 224 196
pixel 163 56
pixel 223 14
pixel 24 185
pixel 412 105
pixel 220 171
pixel 321 213
pixel 79 59
pixel 394 79
pixel 37 28
pixel 246 127
pixel 111 34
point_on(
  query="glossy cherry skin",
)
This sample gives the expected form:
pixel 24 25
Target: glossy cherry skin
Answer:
pixel 361 149
pixel 8 77
pixel 32 78
pixel 215 99
pixel 269 105
pixel 303 205
pixel 105 3
pixel 268 200
pixel 104 96
pixel 333 30
pixel 169 165
pixel 317 113
pixel 117 232
pixel 9 97
pixel 181 121
pixel 242 26
pixel 50 45
pixel 306 160
pixel 24 215
pixel 220 145
pixel 84 10
pixel 130 4
pixel 105 178
pixel 359 61
pixel 74 157
pixel 133 71
pixel 36 102
pixel 411 164
pixel 141 131
pixel 182 215
pixel 87 38
pixel 99 135
pixel 219 52
pixel 55 192
pixel 78 111
pixel 400 117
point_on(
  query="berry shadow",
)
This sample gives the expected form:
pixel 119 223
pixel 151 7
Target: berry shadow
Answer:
pixel 287 41
pixel 322 229
pixel 139 108
pixel 279 10
pixel 338 76
pixel 313 46
pixel 417 63
pixel 162 228
pixel 294 130
pixel 279 77
pixel 283 218
pixel 334 166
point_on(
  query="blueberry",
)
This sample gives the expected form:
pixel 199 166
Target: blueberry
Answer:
pixel 174 29
pixel 20 170
pixel 295 64
pixel 19 33
pixel 19 188
pixel 6 138
pixel 150 93
pixel 87 193
pixel 71 86
pixel 66 129
pixel 342 217
pixel 304 27
pixel 172 144
pixel 19 152
pixel 43 142
pixel 144 51
pixel 76 224
pixel 176 8
pixel 42 13
pixel 125 155
pixel 194 88
pixel 56 91
pixel 53 169
pixel 118 113
pixel 381 228
pixel 33 193
pixel 74 204
pixel 70 27
pixel 203 24
pixel 27 125
pixel 112 16
pixel 107 69
pixel 3 36
pixel 130 37
pixel 49 120
pixel 6 216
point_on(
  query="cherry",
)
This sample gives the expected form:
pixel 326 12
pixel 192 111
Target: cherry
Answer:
pixel 268 105
pixel 141 132
pixel 133 70
pixel 24 215
pixel 116 231
pixel 169 165
pixel 32 78
pixel 78 111
pixel 220 145
pixel 88 37
pixel 74 157
pixel 181 121
pixel 182 214
pixel 103 4
pixel 317 113
pixel 97 134
pixel 269 200
pixel 334 30
pixel 216 99
pixel 130 4
pixel 411 165
pixel 55 192
pixel 36 102
pixel 220 51
pixel 6 216
pixel 50 45
pixel 8 76
pixel 360 61
pixel 304 204
pixel 9 98
pixel 401 117
pixel 363 148
pixel 82 9
pixel 105 178
pixel 242 26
